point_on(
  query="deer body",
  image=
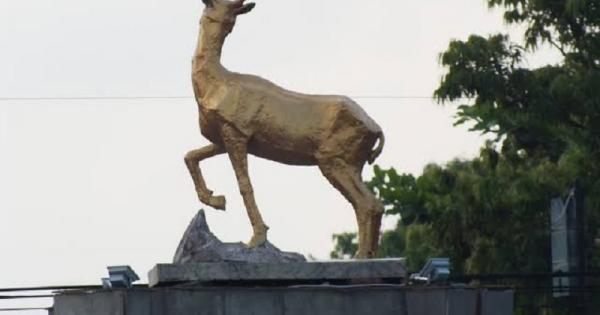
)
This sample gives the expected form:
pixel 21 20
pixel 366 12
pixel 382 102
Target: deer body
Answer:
pixel 243 114
pixel 268 115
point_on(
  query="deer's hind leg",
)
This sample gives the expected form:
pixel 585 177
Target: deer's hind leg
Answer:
pixel 346 179
pixel 192 161
pixel 236 145
pixel 375 214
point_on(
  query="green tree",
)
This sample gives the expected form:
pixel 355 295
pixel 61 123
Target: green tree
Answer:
pixel 490 214
pixel 547 120
pixel 345 245
pixel 542 111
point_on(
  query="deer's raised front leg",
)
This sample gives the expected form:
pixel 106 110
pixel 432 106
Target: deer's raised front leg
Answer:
pixel 236 146
pixel 192 161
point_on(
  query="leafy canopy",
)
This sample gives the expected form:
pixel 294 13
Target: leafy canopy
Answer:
pixel 491 213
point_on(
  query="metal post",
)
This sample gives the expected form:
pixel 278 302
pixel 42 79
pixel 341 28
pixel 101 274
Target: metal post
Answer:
pixel 581 239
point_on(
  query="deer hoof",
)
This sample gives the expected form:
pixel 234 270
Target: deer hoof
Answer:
pixel 257 239
pixel 217 202
pixel 360 254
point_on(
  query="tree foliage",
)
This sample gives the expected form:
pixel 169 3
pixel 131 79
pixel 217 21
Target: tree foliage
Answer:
pixel 547 121
pixel 490 214
pixel 345 245
pixel 543 110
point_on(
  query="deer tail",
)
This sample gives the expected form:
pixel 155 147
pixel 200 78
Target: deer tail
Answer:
pixel 377 151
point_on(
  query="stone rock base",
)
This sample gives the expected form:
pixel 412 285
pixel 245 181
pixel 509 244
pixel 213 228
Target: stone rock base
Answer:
pixel 199 244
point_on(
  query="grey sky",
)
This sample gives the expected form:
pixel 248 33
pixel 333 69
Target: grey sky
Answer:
pixel 89 183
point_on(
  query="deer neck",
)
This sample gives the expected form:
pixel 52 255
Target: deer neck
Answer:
pixel 206 64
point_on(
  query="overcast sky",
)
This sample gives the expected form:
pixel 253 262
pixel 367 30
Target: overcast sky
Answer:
pixel 89 183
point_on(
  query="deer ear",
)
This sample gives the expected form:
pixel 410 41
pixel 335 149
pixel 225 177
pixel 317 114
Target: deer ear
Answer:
pixel 207 3
pixel 245 8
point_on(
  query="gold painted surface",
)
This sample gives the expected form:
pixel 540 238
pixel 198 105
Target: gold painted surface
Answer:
pixel 243 114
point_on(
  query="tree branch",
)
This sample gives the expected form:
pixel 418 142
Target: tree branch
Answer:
pixel 560 48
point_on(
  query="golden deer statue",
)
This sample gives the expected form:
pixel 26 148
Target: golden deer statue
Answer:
pixel 243 114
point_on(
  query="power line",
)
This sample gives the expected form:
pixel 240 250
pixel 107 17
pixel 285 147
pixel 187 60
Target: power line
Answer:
pixel 81 98
pixel 91 98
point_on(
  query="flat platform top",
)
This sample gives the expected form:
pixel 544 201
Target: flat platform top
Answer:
pixel 166 274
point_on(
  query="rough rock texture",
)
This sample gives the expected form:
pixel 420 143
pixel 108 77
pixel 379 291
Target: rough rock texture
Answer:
pixel 199 244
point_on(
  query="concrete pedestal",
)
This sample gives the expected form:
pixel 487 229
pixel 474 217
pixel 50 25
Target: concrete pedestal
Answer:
pixel 238 273
pixel 303 288
pixel 294 300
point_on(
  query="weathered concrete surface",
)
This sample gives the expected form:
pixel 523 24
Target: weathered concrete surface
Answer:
pixel 313 300
pixel 199 244
pixel 495 302
pixel 101 302
pixel 163 274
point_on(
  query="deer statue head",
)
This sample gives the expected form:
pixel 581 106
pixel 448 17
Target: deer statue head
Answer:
pixel 223 13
